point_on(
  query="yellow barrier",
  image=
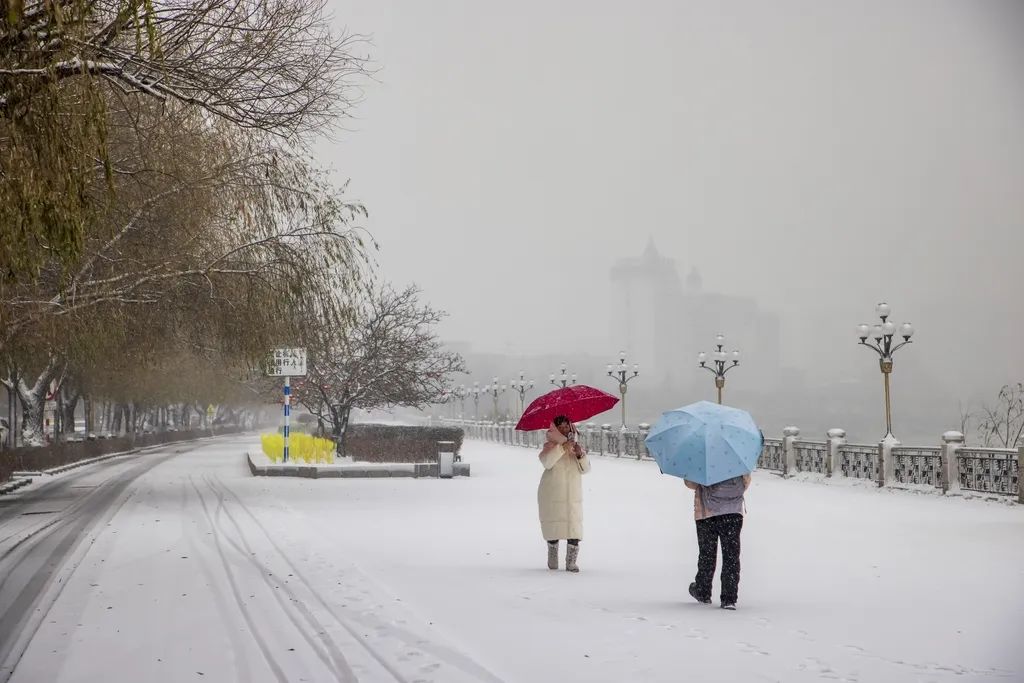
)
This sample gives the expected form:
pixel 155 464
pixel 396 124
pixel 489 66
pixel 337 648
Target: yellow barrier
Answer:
pixel 302 448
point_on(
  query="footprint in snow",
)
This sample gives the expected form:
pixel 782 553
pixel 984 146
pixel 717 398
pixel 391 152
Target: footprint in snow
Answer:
pixel 752 649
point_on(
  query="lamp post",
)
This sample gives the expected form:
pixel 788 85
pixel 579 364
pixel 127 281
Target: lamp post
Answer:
pixel 495 391
pixel 563 379
pixel 476 391
pixel 621 373
pixel 462 393
pixel 453 396
pixel 521 386
pixel 720 363
pixel 446 400
pixel 883 334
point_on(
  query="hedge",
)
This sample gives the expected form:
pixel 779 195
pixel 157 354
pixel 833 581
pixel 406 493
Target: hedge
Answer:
pixel 391 443
pixel 38 458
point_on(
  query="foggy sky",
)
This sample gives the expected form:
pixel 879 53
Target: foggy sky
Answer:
pixel 818 156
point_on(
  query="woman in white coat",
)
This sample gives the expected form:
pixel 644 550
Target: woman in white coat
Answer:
pixel 560 494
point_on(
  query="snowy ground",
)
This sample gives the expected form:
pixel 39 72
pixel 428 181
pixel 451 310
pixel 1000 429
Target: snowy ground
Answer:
pixel 207 573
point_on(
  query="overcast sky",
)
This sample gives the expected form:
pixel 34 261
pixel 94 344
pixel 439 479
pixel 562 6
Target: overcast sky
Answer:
pixel 820 156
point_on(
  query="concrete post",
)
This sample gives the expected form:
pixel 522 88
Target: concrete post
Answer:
pixel 888 468
pixel 645 429
pixel 789 436
pixel 836 438
pixel 1020 475
pixel 952 442
pixel 606 429
pixel 589 428
pixel 622 441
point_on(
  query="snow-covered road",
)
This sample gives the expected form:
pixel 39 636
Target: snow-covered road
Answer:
pixel 206 573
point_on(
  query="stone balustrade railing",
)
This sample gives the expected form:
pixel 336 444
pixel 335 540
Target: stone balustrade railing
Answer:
pixel 950 467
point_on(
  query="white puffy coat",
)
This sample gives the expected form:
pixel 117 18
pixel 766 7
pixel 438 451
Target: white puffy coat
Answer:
pixel 560 494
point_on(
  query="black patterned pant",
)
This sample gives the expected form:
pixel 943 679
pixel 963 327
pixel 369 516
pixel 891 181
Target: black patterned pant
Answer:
pixel 709 531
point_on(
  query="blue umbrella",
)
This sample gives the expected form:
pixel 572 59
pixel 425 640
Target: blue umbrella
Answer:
pixel 705 443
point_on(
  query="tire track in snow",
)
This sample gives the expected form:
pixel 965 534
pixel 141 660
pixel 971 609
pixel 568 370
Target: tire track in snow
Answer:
pixel 446 655
pixel 31 564
pixel 326 649
pixel 240 603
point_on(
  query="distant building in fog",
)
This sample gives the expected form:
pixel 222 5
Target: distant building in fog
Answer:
pixel 662 322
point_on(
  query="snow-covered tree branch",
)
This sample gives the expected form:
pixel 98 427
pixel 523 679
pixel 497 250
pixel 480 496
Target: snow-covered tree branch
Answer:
pixel 389 356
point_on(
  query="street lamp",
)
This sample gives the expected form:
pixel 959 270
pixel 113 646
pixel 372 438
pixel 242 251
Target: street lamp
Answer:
pixel 564 379
pixel 454 394
pixel 882 334
pixel 521 386
pixel 621 373
pixel 476 391
pixel 495 391
pixel 446 399
pixel 720 361
pixel 462 393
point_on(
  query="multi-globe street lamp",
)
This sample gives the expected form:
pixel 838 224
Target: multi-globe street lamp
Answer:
pixel 720 363
pixel 521 386
pixel 620 372
pixel 495 390
pixel 882 335
pixel 563 379
pixel 475 392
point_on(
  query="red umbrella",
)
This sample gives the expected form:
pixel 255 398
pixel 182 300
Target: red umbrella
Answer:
pixel 577 402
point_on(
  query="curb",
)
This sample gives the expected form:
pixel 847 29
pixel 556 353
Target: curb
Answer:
pixel 419 470
pixel 14 485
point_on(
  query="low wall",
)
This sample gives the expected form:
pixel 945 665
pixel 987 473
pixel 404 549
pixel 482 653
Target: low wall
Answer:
pixel 39 458
pixel 400 444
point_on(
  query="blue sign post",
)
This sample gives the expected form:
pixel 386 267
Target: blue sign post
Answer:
pixel 287 363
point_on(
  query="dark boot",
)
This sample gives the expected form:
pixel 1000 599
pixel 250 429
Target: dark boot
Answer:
pixel 697 596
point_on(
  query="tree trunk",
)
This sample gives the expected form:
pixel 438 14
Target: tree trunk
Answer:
pixel 339 418
pixel 33 402
pixel 116 418
pixel 12 417
pixel 31 420
pixel 87 415
pixel 68 405
pixel 138 417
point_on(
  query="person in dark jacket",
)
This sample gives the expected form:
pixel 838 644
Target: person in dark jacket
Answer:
pixel 718 510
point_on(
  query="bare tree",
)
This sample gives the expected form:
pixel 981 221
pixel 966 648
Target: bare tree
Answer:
pixel 155 200
pixel 213 245
pixel 967 416
pixel 272 67
pixel 209 215
pixel 390 356
pixel 1002 424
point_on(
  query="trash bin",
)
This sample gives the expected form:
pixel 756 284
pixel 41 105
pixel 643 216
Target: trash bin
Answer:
pixel 445 459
